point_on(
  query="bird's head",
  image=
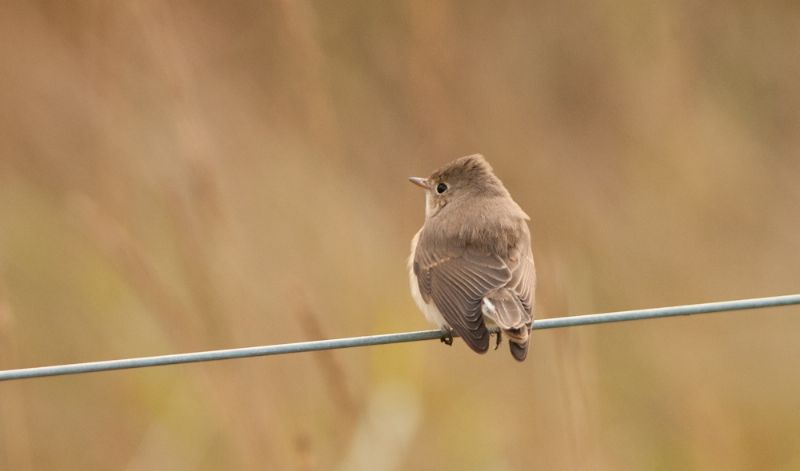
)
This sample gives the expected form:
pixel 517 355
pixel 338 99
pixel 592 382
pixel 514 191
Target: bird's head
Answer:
pixel 458 182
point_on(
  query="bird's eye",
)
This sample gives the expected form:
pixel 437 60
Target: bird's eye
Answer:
pixel 441 188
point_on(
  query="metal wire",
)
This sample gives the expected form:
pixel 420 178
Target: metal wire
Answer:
pixel 554 323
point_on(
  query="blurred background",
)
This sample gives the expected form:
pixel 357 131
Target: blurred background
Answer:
pixel 182 176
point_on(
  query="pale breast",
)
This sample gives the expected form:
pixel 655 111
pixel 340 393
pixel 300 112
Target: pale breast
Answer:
pixel 429 309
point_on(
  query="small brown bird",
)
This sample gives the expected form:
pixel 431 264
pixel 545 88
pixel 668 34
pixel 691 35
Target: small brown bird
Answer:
pixel 472 262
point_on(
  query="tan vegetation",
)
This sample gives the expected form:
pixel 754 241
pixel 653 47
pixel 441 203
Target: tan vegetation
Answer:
pixel 180 176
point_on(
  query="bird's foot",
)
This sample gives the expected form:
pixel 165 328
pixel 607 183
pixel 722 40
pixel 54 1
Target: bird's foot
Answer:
pixel 447 336
pixel 499 338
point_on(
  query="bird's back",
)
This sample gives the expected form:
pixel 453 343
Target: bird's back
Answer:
pixel 491 225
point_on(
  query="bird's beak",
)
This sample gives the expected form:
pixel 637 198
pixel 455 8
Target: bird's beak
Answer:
pixel 423 182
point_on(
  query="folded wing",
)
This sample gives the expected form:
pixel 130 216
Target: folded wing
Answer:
pixel 456 281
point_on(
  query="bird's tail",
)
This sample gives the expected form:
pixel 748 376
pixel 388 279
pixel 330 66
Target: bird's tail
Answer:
pixel 505 309
pixel 518 344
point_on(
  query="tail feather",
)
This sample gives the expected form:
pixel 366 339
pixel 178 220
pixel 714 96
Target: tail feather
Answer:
pixel 518 350
pixel 506 310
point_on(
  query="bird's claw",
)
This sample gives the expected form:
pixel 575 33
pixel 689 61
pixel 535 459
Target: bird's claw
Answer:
pixel 447 337
pixel 499 338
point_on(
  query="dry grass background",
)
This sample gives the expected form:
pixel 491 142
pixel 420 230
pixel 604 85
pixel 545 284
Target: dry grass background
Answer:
pixel 195 175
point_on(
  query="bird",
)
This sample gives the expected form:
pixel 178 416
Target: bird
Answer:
pixel 471 265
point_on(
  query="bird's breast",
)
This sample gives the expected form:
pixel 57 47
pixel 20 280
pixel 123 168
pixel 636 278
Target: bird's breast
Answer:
pixel 429 309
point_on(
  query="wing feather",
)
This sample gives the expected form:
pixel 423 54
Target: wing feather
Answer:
pixel 523 275
pixel 456 281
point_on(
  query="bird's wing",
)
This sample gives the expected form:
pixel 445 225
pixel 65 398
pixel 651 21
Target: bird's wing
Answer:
pixel 523 276
pixel 456 281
